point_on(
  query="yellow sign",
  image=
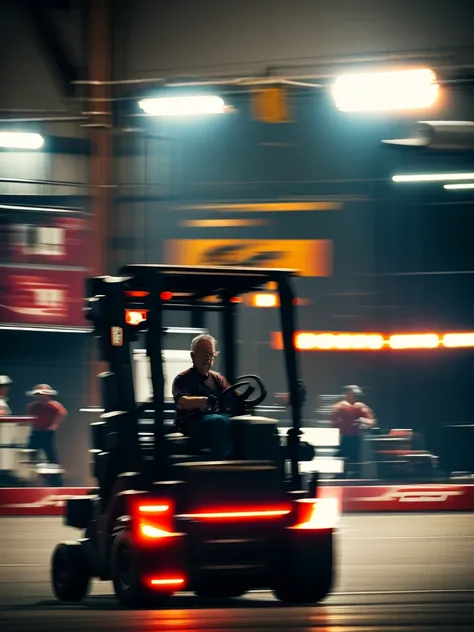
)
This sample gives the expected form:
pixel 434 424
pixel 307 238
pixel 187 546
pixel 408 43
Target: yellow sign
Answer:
pixel 270 105
pixel 267 207
pixel 313 258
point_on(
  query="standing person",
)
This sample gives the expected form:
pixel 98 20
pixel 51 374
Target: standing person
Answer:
pixel 351 416
pixel 5 383
pixel 49 414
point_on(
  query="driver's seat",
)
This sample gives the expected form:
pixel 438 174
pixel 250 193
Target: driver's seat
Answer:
pixel 254 438
pixel 181 448
pixel 178 446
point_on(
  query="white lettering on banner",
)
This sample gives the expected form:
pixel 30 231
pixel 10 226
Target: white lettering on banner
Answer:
pixel 49 297
pixel 410 495
pixel 46 501
pixel 37 296
pixel 40 240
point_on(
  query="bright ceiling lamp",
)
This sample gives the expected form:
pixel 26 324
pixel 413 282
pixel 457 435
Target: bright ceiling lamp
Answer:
pixel 385 91
pixel 433 177
pixel 265 300
pixel 183 106
pixel 453 187
pixel 21 140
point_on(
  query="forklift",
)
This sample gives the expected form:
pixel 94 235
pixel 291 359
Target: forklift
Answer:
pixel 165 517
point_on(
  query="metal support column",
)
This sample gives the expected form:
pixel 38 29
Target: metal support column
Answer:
pixel 101 165
pixel 288 326
pixel 155 353
pixel 230 352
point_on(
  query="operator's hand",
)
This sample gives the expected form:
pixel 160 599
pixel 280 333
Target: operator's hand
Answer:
pixel 211 402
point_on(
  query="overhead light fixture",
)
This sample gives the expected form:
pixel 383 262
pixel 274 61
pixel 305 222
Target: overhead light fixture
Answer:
pixel 183 106
pixel 433 177
pixel 21 140
pixel 385 91
pixel 467 185
pixel 438 135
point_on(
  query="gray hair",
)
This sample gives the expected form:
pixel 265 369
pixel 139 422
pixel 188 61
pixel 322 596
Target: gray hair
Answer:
pixel 195 341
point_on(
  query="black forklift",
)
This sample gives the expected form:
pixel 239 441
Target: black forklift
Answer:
pixel 165 518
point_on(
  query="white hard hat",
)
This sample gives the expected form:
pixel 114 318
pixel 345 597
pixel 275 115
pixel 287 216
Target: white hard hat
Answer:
pixel 354 388
pixel 42 389
pixel 5 380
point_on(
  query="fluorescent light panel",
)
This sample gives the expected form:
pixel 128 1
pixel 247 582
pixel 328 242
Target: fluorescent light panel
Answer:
pixel 20 140
pixel 452 187
pixel 183 106
pixel 386 91
pixel 433 177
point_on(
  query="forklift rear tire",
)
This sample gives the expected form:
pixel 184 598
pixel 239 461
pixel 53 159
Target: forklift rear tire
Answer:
pixel 70 576
pixel 307 573
pixel 298 593
pixel 126 577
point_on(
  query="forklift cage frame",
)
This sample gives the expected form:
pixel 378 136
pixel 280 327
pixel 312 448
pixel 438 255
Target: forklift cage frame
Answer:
pixel 154 288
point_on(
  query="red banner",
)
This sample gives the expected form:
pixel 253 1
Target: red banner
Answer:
pixel 37 501
pixel 45 501
pixel 51 297
pixel 408 498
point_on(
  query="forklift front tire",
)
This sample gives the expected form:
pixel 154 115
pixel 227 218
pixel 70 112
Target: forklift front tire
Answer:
pixel 70 576
pixel 129 588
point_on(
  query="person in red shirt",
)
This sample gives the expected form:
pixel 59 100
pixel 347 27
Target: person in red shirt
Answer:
pixel 48 415
pixel 351 416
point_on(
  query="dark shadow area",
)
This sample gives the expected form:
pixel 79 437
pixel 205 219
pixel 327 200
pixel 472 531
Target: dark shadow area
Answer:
pixel 180 602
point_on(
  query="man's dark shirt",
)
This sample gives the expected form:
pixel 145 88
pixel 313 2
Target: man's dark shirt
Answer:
pixel 194 384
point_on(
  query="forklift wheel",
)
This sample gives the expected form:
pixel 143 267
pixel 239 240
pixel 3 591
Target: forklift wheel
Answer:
pixel 70 575
pixel 128 585
pixel 299 594
pixel 304 589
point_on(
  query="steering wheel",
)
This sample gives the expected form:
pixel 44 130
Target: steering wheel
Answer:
pixel 243 380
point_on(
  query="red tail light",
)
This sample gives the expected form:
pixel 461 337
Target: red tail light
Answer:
pixel 317 514
pixel 154 520
pixel 135 316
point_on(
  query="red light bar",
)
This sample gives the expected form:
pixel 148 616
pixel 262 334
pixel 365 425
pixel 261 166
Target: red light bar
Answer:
pixel 223 515
pixel 165 296
pixel 166 581
pixel 153 508
pixel 136 294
